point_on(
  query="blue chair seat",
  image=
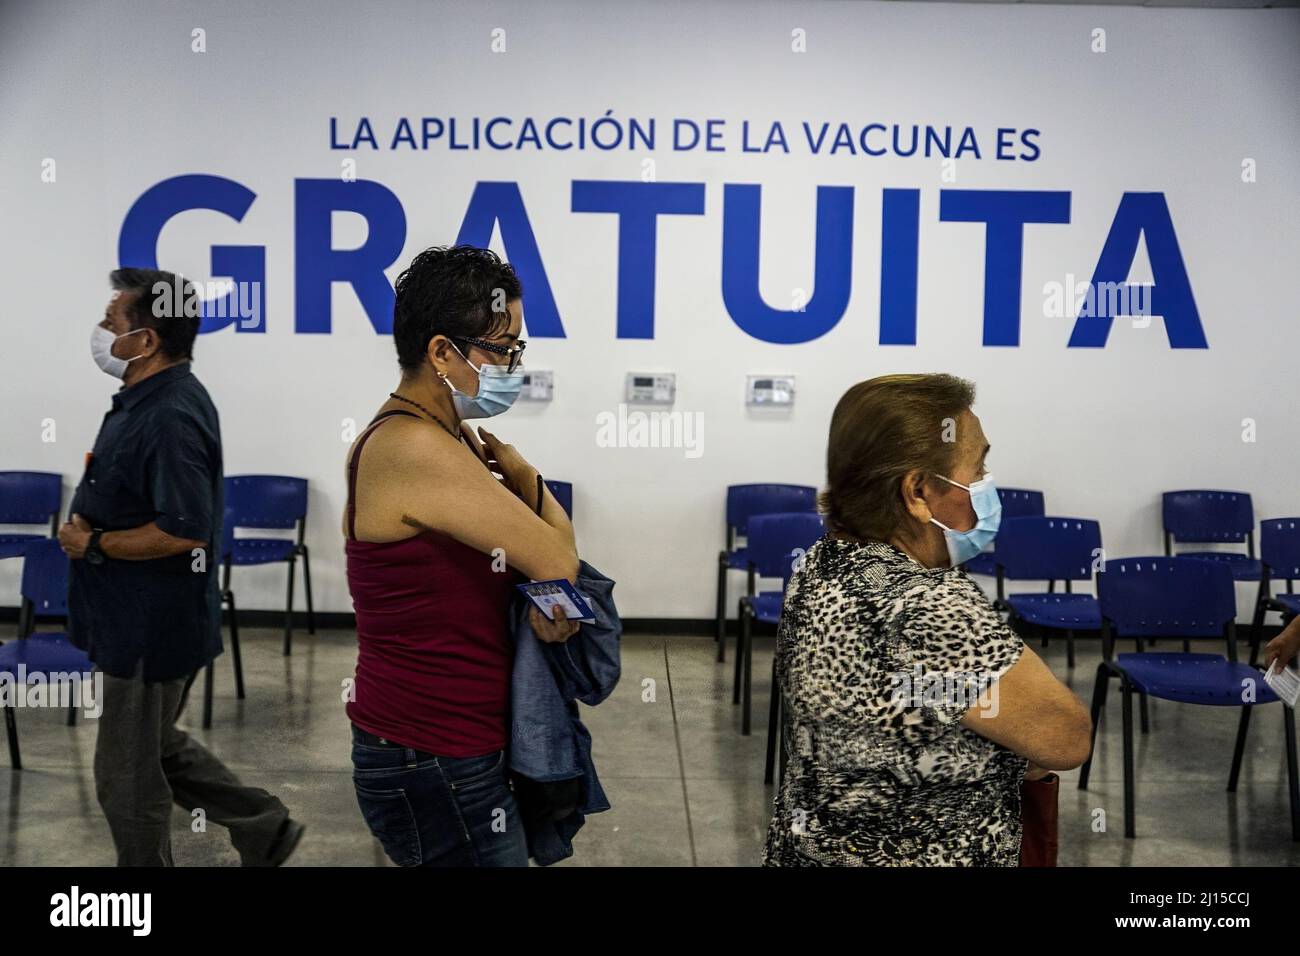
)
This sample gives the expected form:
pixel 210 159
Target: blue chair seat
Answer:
pixel 1065 612
pixel 1194 678
pixel 738 559
pixel 767 606
pixel 245 551
pixel 1243 566
pixel 1289 601
pixel 15 545
pixel 43 652
pixel 983 563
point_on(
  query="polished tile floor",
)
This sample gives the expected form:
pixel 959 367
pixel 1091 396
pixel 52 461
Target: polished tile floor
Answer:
pixel 686 788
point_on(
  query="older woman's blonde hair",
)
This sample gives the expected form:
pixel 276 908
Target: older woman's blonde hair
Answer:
pixel 882 429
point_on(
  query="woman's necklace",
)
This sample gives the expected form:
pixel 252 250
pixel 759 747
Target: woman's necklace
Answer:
pixel 402 398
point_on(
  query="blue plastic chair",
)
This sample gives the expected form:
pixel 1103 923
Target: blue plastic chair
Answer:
pixel 563 491
pixel 28 497
pixel 743 503
pixel 1050 549
pixel 776 545
pixel 1279 552
pixel 1153 597
pixel 1213 517
pixel 1016 503
pixel 44 594
pixel 266 502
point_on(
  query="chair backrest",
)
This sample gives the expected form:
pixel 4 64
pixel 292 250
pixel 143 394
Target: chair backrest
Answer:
pixel 265 501
pixel 746 501
pixel 1167 597
pixel 45 578
pixel 1048 549
pixel 29 497
pixel 777 541
pixel 563 491
pixel 1021 503
pixel 1208 516
pixel 1279 547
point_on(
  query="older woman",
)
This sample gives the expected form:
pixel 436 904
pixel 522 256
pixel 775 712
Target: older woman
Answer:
pixel 913 713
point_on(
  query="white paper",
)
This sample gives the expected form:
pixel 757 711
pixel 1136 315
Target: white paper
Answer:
pixel 1285 683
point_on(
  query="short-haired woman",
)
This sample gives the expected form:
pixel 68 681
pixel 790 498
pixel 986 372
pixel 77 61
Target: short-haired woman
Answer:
pixel 438 524
pixel 913 713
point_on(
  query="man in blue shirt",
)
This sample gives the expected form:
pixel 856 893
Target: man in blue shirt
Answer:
pixel 143 600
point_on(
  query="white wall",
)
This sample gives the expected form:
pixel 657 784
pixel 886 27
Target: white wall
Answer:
pixel 118 99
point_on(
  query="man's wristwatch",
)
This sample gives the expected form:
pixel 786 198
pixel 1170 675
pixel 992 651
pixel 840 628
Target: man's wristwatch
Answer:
pixel 94 554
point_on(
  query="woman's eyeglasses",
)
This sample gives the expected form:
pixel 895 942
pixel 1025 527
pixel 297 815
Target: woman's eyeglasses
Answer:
pixel 516 351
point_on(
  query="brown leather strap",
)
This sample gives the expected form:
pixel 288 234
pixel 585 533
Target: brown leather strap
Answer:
pixel 352 465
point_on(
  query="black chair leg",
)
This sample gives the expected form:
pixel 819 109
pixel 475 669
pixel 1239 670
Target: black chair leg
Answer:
pixel 747 692
pixel 720 622
pixel 1243 725
pixel 236 656
pixel 306 584
pixel 1293 781
pixel 1257 623
pixel 740 642
pixel 207 696
pixel 1146 717
pixel 773 725
pixel 1098 705
pixel 1069 649
pixel 1130 812
pixel 72 714
pixel 288 612
pixel 1187 646
pixel 11 730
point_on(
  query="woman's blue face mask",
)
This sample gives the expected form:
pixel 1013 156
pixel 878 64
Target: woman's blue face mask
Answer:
pixel 964 545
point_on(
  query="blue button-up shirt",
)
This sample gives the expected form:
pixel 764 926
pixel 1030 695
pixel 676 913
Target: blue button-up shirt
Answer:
pixel 157 458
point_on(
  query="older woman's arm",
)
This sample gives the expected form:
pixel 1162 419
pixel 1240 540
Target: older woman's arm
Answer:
pixel 1029 711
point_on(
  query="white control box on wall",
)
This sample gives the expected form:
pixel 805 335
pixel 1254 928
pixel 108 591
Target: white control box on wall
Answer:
pixel 770 390
pixel 539 386
pixel 651 388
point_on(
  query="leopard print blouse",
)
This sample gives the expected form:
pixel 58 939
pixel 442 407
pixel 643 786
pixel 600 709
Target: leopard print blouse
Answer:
pixel 878 658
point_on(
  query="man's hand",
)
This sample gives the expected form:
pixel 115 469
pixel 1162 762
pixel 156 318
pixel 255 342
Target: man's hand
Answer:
pixel 1283 648
pixel 554 631
pixel 74 535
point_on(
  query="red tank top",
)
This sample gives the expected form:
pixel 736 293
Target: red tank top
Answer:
pixel 434 638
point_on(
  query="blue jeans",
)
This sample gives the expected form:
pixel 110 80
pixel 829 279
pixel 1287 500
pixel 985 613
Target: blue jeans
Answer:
pixel 437 811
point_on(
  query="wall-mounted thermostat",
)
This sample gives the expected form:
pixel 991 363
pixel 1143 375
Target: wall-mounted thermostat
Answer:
pixel 651 388
pixel 769 390
pixel 539 386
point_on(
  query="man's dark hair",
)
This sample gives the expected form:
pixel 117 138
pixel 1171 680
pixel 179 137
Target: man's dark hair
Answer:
pixel 164 302
pixel 450 291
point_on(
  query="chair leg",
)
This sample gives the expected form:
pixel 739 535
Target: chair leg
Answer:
pixel 288 612
pixel 306 584
pixel 1069 649
pixel 1187 646
pixel 72 714
pixel 11 730
pixel 1257 623
pixel 1293 781
pixel 773 725
pixel 1098 705
pixel 235 654
pixel 740 642
pixel 1130 811
pixel 720 618
pixel 1146 717
pixel 747 692
pixel 1243 725
pixel 207 696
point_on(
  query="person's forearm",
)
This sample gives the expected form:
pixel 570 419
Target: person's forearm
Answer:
pixel 145 543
